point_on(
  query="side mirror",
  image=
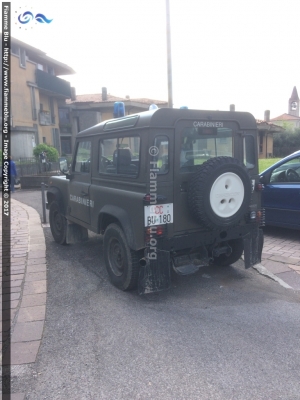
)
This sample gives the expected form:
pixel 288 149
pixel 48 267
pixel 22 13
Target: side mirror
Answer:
pixel 63 166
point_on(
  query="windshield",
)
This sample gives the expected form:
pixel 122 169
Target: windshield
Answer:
pixel 201 144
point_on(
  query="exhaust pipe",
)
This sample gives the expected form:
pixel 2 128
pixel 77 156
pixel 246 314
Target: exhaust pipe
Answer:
pixel 143 262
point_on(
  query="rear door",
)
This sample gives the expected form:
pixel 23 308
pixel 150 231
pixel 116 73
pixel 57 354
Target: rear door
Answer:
pixel 195 143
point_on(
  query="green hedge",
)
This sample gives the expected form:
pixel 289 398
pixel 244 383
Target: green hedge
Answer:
pixel 285 143
pixel 52 153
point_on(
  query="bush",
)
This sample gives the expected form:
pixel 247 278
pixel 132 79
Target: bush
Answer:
pixel 52 153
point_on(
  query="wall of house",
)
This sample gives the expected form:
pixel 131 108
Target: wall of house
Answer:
pixel 21 109
pixel 45 131
pixel 22 145
pixel 265 145
pixel 88 119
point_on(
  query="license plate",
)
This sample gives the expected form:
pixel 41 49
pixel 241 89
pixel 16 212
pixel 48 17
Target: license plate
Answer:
pixel 158 214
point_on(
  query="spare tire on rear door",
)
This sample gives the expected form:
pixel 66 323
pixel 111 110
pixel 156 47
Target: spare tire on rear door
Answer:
pixel 219 192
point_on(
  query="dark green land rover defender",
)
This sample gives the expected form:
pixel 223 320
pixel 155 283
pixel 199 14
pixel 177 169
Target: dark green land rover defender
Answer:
pixel 168 188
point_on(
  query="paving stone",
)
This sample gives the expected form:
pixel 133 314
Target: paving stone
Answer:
pixel 28 314
pixel 36 254
pixel 12 290
pixel 34 287
pixel 17 282
pixel 295 267
pixel 27 331
pixel 10 304
pixel 292 278
pixel 286 260
pixel 15 396
pixel 36 240
pixel 37 247
pixel 24 353
pixel 36 276
pixel 33 300
pixel 11 296
pixel 275 267
pixel 13 277
pixel 36 268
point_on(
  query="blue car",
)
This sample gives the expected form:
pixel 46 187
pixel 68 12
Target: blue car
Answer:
pixel 281 193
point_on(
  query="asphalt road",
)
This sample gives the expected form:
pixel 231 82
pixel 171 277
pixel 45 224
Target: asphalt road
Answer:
pixel 223 333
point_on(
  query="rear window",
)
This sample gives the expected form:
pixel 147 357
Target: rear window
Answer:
pixel 200 144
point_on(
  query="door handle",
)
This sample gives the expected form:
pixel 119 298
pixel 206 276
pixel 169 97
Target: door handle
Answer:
pixel 83 193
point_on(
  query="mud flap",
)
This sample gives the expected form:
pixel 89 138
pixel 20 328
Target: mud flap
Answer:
pixel 76 233
pixel 155 275
pixel 253 245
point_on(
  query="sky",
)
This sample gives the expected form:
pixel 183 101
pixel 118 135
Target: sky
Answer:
pixel 242 52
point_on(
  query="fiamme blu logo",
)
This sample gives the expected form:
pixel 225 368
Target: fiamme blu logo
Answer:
pixel 28 17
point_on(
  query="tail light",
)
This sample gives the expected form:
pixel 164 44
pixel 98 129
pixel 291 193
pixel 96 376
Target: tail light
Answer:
pixel 155 232
pixel 259 187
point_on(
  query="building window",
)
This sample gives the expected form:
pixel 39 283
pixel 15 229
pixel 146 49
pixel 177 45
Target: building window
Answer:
pixel 33 103
pixel 44 140
pixel 55 139
pixel 66 145
pixel 22 58
pixel 64 120
pixel 51 71
pixel 15 50
pixel 51 105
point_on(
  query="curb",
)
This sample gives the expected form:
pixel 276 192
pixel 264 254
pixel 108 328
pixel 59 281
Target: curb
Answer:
pixel 264 271
pixel 28 285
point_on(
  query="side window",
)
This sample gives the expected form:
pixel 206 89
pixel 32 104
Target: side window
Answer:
pixel 287 172
pixel 161 154
pixel 249 151
pixel 83 157
pixel 120 156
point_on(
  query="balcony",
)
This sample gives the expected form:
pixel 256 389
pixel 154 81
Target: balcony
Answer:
pixel 52 84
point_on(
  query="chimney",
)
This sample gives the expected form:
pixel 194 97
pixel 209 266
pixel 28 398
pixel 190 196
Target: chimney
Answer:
pixel 232 107
pixel 73 94
pixel 104 94
pixel 267 115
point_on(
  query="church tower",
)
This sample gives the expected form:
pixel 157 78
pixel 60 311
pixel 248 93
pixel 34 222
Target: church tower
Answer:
pixel 294 103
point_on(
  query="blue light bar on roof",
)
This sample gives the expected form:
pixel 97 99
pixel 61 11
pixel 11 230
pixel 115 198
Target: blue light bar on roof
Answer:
pixel 119 109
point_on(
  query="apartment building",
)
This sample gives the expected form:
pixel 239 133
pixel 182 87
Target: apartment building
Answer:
pixel 37 93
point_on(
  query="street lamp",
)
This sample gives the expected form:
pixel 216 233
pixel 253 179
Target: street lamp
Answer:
pixel 170 90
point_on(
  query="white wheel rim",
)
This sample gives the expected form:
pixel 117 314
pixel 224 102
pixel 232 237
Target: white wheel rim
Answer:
pixel 227 195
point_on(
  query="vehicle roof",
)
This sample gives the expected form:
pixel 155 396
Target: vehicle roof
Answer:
pixel 167 118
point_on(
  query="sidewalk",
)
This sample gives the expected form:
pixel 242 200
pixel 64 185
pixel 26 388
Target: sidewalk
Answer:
pixel 281 257
pixel 28 285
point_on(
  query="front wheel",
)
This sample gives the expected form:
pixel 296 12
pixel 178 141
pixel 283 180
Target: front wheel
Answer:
pixel 121 262
pixel 58 223
pixel 237 248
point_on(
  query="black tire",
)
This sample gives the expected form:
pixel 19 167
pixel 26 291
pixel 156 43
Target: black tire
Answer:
pixel 121 262
pixel 237 247
pixel 219 192
pixel 58 223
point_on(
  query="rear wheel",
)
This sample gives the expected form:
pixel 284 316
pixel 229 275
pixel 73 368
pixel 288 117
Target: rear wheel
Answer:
pixel 122 263
pixel 237 248
pixel 58 223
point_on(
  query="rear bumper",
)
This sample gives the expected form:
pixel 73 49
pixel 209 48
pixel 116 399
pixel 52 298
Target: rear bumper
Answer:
pixel 210 238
